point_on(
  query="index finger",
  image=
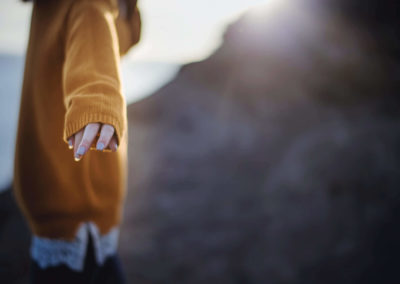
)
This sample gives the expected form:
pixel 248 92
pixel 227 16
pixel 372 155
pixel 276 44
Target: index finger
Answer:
pixel 88 136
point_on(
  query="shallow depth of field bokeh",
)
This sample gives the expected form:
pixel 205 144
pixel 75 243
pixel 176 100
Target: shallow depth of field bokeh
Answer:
pixel 263 143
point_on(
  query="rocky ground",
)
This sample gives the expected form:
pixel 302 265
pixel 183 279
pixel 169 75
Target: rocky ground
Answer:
pixel 275 160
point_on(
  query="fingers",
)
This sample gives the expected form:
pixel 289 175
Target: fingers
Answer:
pixel 71 142
pixel 113 144
pixel 89 134
pixel 83 139
pixel 77 139
pixel 107 132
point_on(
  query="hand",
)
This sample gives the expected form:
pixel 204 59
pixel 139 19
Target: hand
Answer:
pixel 83 139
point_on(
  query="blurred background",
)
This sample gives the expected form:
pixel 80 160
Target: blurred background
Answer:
pixel 264 142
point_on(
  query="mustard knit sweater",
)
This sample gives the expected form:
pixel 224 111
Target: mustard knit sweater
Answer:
pixel 72 78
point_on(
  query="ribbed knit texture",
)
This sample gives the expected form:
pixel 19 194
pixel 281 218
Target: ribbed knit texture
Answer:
pixel 72 78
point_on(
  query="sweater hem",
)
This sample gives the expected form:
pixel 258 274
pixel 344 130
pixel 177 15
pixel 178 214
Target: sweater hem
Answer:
pixel 49 252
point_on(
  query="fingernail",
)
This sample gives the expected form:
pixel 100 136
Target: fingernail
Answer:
pixel 70 144
pixel 100 146
pixel 79 153
pixel 81 150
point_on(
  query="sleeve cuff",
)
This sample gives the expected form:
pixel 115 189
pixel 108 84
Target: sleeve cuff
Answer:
pixel 74 125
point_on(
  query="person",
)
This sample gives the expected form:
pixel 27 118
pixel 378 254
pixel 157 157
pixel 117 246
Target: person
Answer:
pixel 70 169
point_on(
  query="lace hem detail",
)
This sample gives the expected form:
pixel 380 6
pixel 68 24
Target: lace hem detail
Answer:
pixel 51 252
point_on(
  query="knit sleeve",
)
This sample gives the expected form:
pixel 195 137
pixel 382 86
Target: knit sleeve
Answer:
pixel 129 30
pixel 91 70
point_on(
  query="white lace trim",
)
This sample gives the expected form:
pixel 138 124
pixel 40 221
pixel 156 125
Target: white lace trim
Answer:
pixel 51 252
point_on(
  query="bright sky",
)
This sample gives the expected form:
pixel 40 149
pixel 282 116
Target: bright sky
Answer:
pixel 176 31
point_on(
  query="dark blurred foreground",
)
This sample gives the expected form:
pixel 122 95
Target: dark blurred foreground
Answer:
pixel 276 160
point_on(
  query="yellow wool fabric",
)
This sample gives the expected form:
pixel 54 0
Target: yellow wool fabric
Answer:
pixel 72 78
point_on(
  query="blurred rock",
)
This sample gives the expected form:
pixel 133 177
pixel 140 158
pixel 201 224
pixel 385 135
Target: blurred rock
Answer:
pixel 14 241
pixel 275 160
